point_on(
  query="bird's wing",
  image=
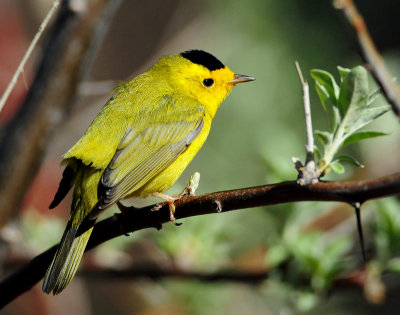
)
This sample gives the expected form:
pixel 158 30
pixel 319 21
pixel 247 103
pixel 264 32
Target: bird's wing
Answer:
pixel 145 152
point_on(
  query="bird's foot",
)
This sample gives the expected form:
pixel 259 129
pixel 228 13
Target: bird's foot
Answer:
pixel 171 204
pixel 190 190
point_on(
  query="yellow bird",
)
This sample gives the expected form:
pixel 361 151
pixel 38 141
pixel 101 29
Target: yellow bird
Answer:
pixel 138 145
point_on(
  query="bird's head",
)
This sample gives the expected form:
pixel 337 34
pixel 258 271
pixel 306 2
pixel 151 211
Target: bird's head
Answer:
pixel 202 76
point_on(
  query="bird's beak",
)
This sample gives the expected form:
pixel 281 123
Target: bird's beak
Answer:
pixel 240 78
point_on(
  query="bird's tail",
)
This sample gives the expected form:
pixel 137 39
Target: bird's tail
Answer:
pixel 66 260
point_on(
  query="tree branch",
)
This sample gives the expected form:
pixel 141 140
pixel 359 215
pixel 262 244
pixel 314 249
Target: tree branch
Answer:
pixel 136 219
pixel 157 271
pixel 370 54
pixel 355 279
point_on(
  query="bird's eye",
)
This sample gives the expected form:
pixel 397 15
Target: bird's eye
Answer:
pixel 208 82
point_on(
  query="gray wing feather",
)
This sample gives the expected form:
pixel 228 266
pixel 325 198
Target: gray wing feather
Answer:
pixel 142 155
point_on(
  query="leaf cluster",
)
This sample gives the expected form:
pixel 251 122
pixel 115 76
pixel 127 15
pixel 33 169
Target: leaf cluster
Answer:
pixel 350 107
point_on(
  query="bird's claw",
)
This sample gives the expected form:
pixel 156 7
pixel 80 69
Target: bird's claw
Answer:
pixel 172 212
pixel 170 200
pixel 190 190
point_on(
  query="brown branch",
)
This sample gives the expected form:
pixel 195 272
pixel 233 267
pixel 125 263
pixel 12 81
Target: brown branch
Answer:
pixel 370 54
pixel 357 278
pixel 361 279
pixel 156 271
pixel 159 273
pixel 26 276
pixel 70 48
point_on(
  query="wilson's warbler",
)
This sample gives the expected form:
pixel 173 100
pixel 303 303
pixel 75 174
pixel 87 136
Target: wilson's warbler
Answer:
pixel 138 145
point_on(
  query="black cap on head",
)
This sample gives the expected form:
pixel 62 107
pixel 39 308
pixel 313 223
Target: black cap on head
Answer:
pixel 203 58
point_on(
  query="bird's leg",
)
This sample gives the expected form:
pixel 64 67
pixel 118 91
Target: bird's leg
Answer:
pixel 170 200
pixel 190 190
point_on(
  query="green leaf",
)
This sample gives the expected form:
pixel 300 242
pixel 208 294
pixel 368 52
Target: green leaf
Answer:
pixel 326 82
pixel 337 167
pixel 387 228
pixel 276 255
pixel 331 263
pixel 335 252
pixel 323 96
pixel 368 115
pixel 349 109
pixel 373 95
pixel 328 105
pixel 306 301
pixel 350 159
pixel 335 118
pixel 332 260
pixel 358 136
pixel 394 265
pixel 317 153
pixel 324 137
pixel 353 96
pixel 306 248
pixel 343 72
pixel 328 92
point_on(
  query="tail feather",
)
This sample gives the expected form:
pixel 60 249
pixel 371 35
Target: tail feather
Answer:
pixel 72 263
pixel 66 260
pixel 65 186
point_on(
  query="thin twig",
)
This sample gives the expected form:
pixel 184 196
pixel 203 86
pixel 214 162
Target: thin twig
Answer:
pixel 371 54
pixel 28 53
pixel 307 115
pixel 357 209
pixel 307 175
pixel 137 219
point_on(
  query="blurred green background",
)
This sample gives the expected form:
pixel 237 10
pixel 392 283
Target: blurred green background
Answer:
pixel 256 132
